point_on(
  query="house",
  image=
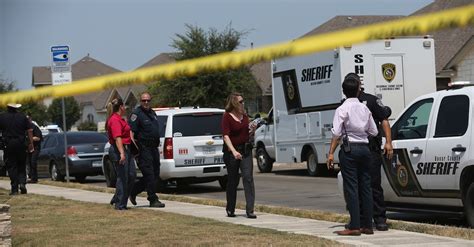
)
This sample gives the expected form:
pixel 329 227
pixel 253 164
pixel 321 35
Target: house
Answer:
pixel 92 105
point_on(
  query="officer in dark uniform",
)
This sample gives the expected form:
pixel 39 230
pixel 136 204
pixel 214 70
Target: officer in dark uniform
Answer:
pixel 145 132
pixel 32 159
pixel 14 125
pixel 380 114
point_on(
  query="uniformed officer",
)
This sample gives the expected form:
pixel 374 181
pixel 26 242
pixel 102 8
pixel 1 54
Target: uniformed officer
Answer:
pixel 14 125
pixel 145 132
pixel 380 114
pixel 32 159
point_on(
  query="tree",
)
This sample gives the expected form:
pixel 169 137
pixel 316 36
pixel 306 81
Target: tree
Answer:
pixel 205 89
pixel 72 110
pixel 37 111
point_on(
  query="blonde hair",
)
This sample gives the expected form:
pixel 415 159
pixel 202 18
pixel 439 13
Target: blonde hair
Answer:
pixel 232 102
pixel 112 107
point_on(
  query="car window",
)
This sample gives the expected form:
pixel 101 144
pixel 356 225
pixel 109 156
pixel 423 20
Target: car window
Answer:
pixel 85 138
pixel 51 142
pixel 413 124
pixel 162 124
pixel 453 116
pixel 197 124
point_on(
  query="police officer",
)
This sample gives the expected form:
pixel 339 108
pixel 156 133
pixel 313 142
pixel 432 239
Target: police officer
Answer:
pixel 14 125
pixel 145 132
pixel 380 114
pixel 32 159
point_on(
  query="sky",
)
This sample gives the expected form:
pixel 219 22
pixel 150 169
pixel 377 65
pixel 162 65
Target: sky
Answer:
pixel 125 34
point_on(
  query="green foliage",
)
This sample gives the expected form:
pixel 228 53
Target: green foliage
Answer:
pixel 73 112
pixel 205 89
pixel 87 126
pixel 6 85
pixel 37 111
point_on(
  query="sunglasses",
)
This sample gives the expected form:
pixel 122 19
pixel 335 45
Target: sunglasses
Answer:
pixel 146 100
pixel 241 102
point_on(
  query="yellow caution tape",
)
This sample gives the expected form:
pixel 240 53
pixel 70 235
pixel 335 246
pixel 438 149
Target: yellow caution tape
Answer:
pixel 416 25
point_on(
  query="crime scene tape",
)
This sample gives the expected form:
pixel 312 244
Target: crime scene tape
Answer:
pixel 415 25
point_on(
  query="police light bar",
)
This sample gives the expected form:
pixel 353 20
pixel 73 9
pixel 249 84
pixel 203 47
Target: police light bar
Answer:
pixel 459 84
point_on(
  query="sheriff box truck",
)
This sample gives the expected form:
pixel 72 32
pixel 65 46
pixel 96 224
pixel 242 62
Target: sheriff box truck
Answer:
pixel 307 90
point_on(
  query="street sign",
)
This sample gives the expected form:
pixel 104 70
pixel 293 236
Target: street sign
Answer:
pixel 61 78
pixel 60 58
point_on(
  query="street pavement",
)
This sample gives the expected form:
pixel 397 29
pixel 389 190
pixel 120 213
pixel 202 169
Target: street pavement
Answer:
pixel 323 229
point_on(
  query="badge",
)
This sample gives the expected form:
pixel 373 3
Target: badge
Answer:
pixel 290 90
pixel 402 176
pixel 133 117
pixel 388 71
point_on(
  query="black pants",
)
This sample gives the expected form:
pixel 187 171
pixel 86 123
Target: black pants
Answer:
pixel 149 164
pixel 377 191
pixel 246 168
pixel 15 155
pixel 32 162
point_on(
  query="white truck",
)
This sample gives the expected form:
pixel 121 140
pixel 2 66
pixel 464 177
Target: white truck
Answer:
pixel 307 90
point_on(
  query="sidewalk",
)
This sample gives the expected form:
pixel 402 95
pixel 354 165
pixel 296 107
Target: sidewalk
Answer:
pixel 323 229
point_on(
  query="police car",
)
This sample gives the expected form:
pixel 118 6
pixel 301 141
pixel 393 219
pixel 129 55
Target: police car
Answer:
pixel 432 169
pixel 190 147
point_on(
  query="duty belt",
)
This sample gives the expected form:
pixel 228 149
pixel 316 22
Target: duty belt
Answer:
pixel 150 143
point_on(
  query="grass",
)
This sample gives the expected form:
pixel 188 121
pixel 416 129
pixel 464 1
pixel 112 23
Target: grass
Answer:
pixel 50 221
pixel 439 230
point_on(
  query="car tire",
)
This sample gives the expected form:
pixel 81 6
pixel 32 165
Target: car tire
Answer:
pixel 312 164
pixel 80 178
pixel 55 173
pixel 109 173
pixel 223 182
pixel 469 205
pixel 264 162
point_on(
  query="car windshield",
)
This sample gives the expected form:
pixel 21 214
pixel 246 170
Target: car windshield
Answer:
pixel 81 138
pixel 197 124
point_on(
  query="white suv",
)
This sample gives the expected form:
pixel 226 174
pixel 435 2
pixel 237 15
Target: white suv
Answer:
pixel 190 147
pixel 433 165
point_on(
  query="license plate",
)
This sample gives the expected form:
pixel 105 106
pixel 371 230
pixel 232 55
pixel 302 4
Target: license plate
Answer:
pixel 97 163
pixel 208 150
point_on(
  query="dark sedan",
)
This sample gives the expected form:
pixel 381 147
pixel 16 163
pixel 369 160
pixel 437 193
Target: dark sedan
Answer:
pixel 84 152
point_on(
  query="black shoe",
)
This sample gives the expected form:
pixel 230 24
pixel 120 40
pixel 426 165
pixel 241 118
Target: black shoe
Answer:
pixel 112 201
pixel 381 227
pixel 133 199
pixel 23 189
pixel 230 213
pixel 251 216
pixel 157 204
pixel 13 193
pixel 125 208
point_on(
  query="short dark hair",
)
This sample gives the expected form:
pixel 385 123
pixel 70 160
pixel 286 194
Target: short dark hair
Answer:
pixel 350 87
pixel 352 75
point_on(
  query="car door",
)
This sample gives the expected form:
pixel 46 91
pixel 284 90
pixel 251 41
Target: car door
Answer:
pixel 409 135
pixel 47 146
pixel 448 143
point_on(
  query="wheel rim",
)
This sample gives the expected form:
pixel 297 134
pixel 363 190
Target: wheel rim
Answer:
pixel 54 172
pixel 312 163
pixel 261 159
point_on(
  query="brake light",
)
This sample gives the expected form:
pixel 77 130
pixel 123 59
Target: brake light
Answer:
pixel 71 151
pixel 168 148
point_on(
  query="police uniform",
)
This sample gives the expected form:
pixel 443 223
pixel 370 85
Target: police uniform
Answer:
pixel 144 125
pixel 33 157
pixel 379 113
pixel 14 125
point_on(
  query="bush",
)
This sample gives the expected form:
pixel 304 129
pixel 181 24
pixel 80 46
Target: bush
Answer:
pixel 87 126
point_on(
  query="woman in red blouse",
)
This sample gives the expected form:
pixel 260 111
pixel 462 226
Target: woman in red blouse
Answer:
pixel 238 153
pixel 118 131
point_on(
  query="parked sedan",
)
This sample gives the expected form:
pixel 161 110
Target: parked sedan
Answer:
pixel 84 152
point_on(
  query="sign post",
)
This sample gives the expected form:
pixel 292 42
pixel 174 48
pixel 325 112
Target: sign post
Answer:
pixel 61 74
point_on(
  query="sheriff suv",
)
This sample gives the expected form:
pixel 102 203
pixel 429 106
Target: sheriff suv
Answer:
pixel 190 147
pixel 432 169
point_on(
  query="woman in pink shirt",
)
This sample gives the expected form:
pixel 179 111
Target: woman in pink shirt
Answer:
pixel 354 123
pixel 118 131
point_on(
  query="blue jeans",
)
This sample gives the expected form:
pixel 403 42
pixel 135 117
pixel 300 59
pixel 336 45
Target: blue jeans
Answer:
pixel 355 172
pixel 125 176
